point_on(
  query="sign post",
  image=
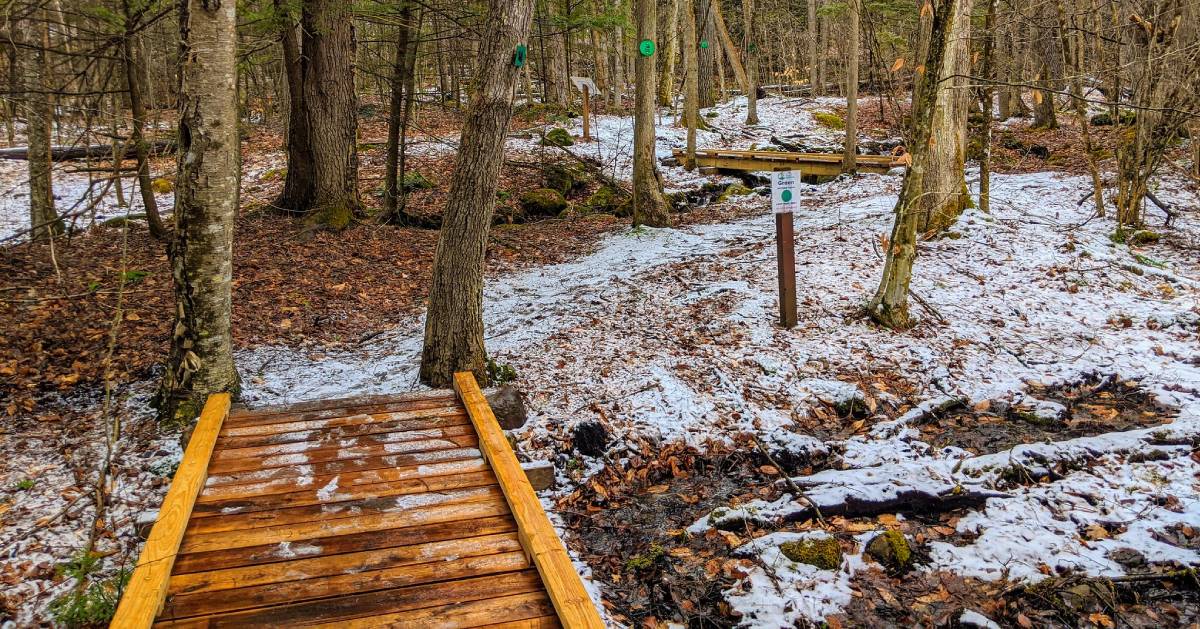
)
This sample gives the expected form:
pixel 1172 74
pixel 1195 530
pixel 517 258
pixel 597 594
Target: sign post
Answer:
pixel 585 85
pixel 784 203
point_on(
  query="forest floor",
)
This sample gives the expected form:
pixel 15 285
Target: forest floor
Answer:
pixel 1040 425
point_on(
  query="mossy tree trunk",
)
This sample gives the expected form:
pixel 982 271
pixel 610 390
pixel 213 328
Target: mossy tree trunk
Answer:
pixel 889 306
pixel 650 206
pixel 201 251
pixel 332 108
pixel 454 323
pixel 944 193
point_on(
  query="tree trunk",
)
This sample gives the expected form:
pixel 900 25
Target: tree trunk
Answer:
pixel 987 98
pixel 729 48
pixel 650 206
pixel 201 355
pixel 889 306
pixel 666 80
pixel 1073 55
pixel 332 109
pixel 850 148
pixel 400 70
pixel 944 184
pixel 751 49
pixel 618 63
pixel 706 24
pixel 454 324
pixel 43 219
pixel 691 88
pixel 1048 52
pixel 133 82
pixel 813 76
pixel 598 56
pixel 298 183
pixel 822 61
pixel 557 84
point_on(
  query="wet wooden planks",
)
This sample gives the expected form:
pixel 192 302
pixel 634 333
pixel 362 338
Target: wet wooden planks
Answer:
pixel 382 511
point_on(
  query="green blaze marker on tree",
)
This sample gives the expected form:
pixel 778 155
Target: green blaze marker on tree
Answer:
pixel 704 43
pixel 646 47
pixel 519 55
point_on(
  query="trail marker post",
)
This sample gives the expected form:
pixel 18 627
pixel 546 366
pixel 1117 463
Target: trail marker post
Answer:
pixel 584 84
pixel 784 203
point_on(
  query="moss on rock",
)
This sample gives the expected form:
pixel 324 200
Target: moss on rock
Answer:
pixel 565 178
pixel 162 186
pixel 822 552
pixel 829 120
pixel 543 202
pixel 558 136
pixel 891 550
pixel 414 180
pixel 734 190
pixel 608 200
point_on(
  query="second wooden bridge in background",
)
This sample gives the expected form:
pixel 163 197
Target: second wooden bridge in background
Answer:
pixel 384 512
pixel 824 164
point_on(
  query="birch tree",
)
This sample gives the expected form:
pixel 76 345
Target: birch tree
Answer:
pixel 201 251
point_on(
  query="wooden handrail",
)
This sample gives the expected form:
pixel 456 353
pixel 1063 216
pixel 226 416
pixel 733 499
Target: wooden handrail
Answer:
pixel 143 597
pixel 541 543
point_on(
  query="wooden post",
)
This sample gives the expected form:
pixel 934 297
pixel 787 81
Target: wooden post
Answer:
pixel 785 247
pixel 587 114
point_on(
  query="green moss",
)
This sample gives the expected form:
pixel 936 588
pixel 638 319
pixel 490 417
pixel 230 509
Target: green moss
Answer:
pixel 543 202
pixel 414 180
pixel 734 190
pixel 645 560
pixel 1143 237
pixel 500 373
pixel 891 549
pixel 609 200
pixel 558 136
pixel 565 178
pixel 711 114
pixel 334 216
pixel 829 120
pixel 162 186
pixel 823 552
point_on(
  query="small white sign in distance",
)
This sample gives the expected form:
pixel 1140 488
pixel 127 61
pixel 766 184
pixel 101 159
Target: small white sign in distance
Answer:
pixel 580 81
pixel 784 197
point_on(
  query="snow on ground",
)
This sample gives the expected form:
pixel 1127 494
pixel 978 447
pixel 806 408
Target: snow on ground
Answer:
pixel 80 200
pixel 669 335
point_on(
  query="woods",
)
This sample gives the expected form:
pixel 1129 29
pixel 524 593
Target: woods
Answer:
pixel 982 401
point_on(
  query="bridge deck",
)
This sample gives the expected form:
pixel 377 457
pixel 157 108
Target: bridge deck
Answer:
pixel 401 511
pixel 826 164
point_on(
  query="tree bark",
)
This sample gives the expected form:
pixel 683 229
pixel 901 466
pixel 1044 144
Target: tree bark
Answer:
pixel 691 88
pixel 666 80
pixel 706 24
pixel 392 192
pixel 298 183
pixel 813 76
pixel 43 219
pixel 944 192
pixel 730 49
pixel 1073 53
pixel 650 206
pixel 1048 53
pixel 850 147
pixel 987 97
pixel 454 323
pixel 889 306
pixel 133 82
pixel 618 63
pixel 751 49
pixel 201 251
pixel 332 109
pixel 557 85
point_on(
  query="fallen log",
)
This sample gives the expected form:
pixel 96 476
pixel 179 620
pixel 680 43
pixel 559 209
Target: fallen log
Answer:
pixel 101 151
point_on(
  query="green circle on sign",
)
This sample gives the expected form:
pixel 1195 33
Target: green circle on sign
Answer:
pixel 786 196
pixel 646 47
pixel 519 55
pixel 704 43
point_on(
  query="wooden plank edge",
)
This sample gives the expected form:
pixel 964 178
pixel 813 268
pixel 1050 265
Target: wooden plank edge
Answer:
pixel 143 597
pixel 351 402
pixel 571 600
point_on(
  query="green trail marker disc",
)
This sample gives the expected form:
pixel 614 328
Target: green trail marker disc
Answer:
pixel 520 54
pixel 646 47
pixel 787 196
pixel 704 43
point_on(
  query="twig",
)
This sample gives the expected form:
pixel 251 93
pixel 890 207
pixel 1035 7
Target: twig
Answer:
pixel 791 484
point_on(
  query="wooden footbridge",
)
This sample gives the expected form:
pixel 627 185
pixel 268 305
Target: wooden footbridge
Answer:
pixel 374 512
pixel 825 164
